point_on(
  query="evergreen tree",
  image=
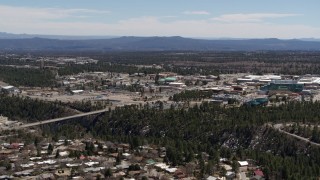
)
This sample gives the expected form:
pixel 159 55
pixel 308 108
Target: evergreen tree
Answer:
pixel 50 149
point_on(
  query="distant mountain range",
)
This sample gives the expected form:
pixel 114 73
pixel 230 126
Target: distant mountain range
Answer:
pixel 4 35
pixel 26 42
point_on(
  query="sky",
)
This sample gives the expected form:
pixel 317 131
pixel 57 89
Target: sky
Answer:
pixel 285 19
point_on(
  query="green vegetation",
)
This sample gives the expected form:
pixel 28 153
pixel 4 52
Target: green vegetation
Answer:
pixel 29 110
pixel 309 131
pixel 192 95
pixel 205 63
pixel 27 77
pixel 234 133
pixel 218 131
pixel 282 62
pixel 32 110
pixel 84 106
pixel 105 67
pixel 221 133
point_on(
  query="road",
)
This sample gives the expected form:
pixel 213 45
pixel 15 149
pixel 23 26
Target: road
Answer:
pixel 65 118
pixel 61 119
pixel 278 127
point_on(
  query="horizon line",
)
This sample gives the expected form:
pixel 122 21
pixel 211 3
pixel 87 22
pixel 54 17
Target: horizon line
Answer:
pixel 119 36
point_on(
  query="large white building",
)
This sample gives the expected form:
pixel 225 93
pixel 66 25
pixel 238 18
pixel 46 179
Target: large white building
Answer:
pixel 309 80
pixel 10 89
pixel 259 78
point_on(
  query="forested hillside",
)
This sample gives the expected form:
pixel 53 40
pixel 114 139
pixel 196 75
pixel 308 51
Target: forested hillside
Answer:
pixel 174 43
pixel 32 110
pixel 234 133
pixel 27 77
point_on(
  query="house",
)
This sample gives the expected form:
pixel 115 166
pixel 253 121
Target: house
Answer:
pixel 78 177
pixel 77 91
pixel 223 160
pixel 10 89
pixel 126 155
pixel 179 174
pixel 91 163
pixel 258 172
pixel 123 165
pixel 23 173
pixel 119 174
pixel 46 176
pixel 243 165
pixel 134 173
pixel 82 157
pixel 73 165
pixel 92 169
pixel 171 170
pixel 64 153
pixel 35 158
pixel 226 167
pixel 211 178
pixel 161 166
pixel 14 146
pixel 27 165
pixel 6 177
pixel 230 175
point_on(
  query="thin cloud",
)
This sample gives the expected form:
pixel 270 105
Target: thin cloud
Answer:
pixel 155 27
pixel 53 21
pixel 27 14
pixel 254 17
pixel 88 11
pixel 196 12
pixel 168 16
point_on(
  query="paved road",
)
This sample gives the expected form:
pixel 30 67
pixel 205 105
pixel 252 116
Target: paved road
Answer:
pixel 65 118
pixel 278 127
pixel 61 119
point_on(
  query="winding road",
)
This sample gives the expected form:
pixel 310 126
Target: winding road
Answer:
pixel 279 126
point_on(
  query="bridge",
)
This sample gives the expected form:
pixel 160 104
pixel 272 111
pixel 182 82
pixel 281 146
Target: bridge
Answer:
pixel 60 119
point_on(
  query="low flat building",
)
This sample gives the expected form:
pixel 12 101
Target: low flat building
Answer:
pixel 283 85
pixel 10 89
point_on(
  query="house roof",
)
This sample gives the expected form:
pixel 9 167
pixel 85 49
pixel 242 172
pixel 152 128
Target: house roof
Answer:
pixel 82 157
pixel 211 178
pixel 258 173
pixel 77 91
pixel 171 170
pixel 7 87
pixel 230 173
pixel 162 165
pixel 243 163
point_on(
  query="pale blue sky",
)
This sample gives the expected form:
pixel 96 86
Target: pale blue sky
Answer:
pixel 189 18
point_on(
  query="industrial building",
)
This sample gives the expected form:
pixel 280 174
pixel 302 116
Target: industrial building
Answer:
pixel 10 89
pixel 310 82
pixel 167 80
pixel 258 78
pixel 283 85
pixel 257 102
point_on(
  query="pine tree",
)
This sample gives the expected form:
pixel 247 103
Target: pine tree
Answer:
pixel 50 149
